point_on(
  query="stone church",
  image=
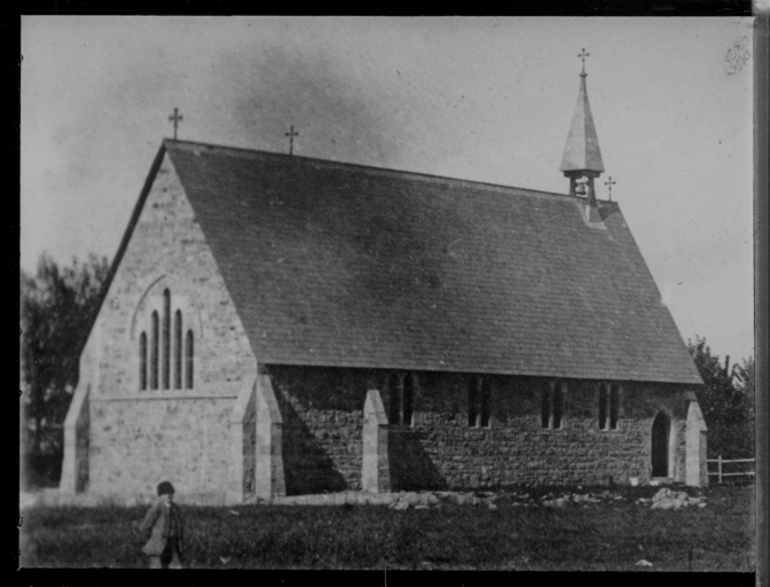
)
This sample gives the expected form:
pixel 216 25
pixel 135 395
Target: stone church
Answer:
pixel 276 325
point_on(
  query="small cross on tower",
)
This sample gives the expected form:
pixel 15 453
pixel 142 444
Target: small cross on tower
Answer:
pixel 291 134
pixel 583 54
pixel 176 118
pixel 609 183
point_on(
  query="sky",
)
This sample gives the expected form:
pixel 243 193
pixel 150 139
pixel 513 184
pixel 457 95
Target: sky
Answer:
pixel 487 99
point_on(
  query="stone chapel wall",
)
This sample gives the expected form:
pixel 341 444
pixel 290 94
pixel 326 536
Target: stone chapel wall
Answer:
pixel 322 411
pixel 138 443
pixel 323 423
pixel 515 449
pixel 140 437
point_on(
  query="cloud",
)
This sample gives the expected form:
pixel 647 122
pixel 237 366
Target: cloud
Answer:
pixel 337 114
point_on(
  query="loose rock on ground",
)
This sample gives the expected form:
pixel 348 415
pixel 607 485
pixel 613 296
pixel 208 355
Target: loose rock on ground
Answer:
pixel 667 499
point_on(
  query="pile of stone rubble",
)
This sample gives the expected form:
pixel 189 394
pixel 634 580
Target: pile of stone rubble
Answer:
pixel 424 500
pixel 666 499
pixel 406 500
pixel 584 499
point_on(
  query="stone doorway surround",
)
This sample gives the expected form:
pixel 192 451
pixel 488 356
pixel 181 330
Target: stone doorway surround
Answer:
pixel 667 464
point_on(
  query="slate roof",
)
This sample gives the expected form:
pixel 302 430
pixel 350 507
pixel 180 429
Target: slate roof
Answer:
pixel 344 265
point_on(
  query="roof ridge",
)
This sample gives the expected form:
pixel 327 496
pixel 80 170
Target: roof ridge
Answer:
pixel 383 170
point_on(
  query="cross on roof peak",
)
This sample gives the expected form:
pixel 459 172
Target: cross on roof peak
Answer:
pixel 609 183
pixel 291 134
pixel 583 54
pixel 176 118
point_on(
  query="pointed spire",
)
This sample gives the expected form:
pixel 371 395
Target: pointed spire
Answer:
pixel 582 155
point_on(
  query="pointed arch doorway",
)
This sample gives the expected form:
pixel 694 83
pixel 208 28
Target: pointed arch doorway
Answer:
pixel 661 440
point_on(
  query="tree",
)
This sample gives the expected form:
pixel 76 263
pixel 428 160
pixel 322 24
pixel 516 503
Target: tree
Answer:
pixel 726 401
pixel 57 306
pixel 744 379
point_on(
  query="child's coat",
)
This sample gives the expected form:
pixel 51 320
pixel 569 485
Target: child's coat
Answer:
pixel 158 520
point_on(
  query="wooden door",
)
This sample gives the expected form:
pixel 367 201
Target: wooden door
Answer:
pixel 661 429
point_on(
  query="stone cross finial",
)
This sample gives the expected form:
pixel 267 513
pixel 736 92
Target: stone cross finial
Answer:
pixel 176 118
pixel 609 183
pixel 583 54
pixel 291 134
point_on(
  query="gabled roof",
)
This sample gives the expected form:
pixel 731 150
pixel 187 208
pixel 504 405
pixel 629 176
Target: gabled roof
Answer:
pixel 582 151
pixel 344 265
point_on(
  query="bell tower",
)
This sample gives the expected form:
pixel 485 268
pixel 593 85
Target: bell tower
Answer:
pixel 582 160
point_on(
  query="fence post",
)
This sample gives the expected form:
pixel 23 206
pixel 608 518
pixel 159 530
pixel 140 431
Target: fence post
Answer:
pixel 719 468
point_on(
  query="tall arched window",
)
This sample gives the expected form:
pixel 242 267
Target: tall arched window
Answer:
pixel 178 349
pixel 473 401
pixel 552 404
pixel 479 398
pixel 166 339
pixel 166 349
pixel 486 397
pixel 558 405
pixel 603 401
pixel 394 395
pixel 614 406
pixel 154 348
pixel 406 416
pixel 189 354
pixel 545 405
pixel 143 361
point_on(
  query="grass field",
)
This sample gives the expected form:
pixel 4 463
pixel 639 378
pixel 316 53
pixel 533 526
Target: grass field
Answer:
pixel 596 537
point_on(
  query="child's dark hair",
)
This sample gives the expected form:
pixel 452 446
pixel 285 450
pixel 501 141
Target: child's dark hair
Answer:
pixel 164 488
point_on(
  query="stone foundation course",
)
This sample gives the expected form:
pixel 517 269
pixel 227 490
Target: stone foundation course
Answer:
pixel 665 498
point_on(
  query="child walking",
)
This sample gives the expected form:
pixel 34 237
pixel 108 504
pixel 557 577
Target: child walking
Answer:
pixel 165 527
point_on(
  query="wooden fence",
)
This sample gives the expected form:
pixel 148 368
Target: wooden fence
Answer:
pixel 720 473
